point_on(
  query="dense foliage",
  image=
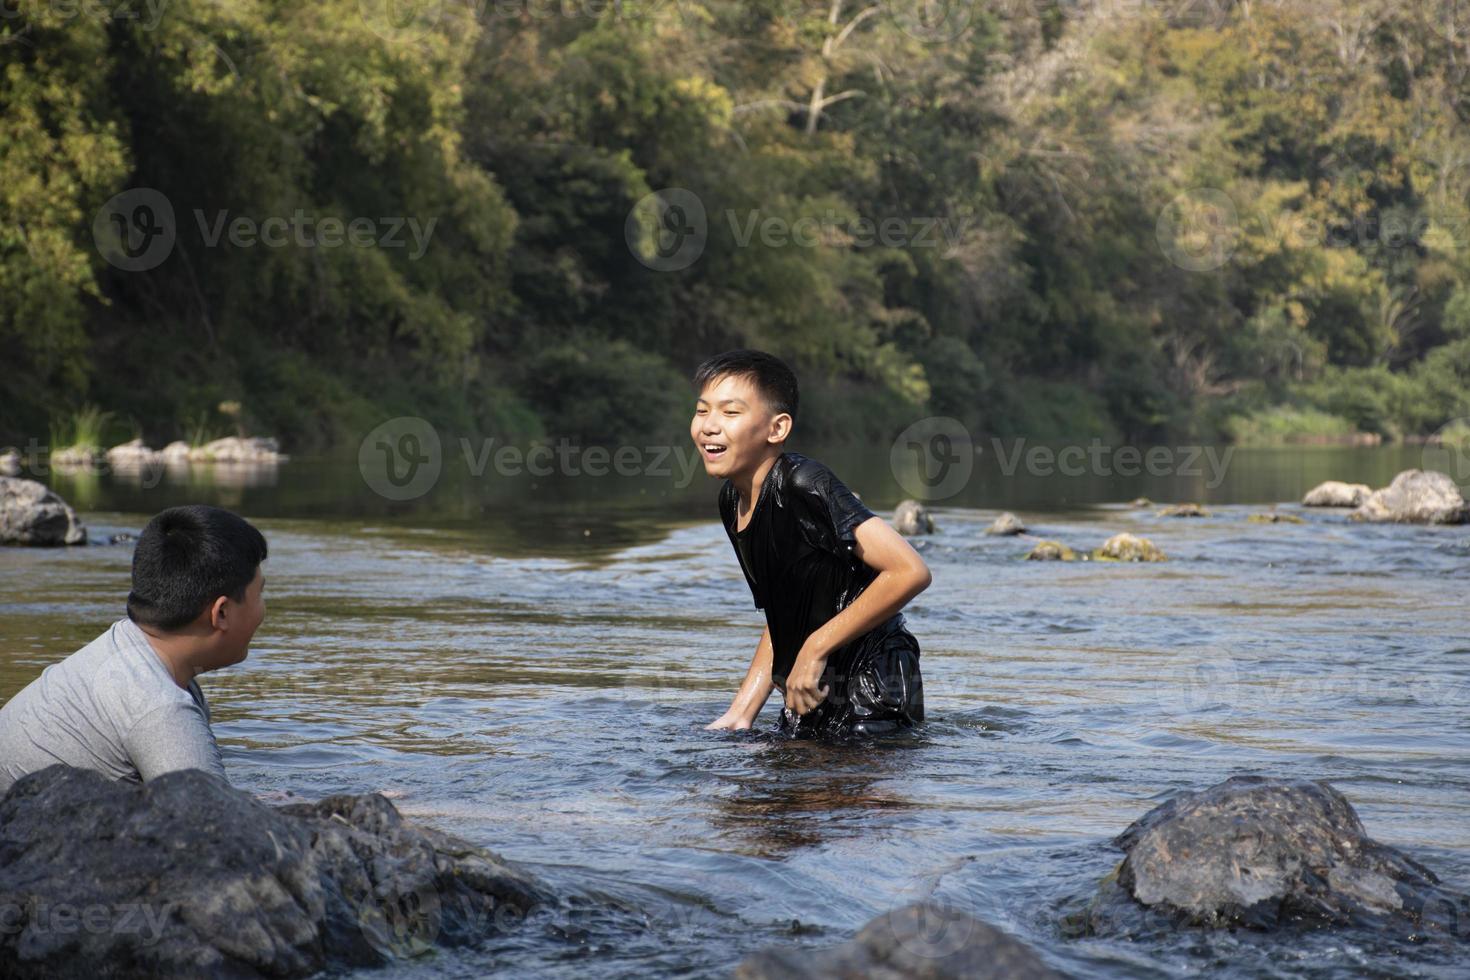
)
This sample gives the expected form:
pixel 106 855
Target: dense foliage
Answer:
pixel 1116 217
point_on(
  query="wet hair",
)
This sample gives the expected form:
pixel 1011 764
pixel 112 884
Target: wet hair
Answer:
pixel 186 558
pixel 774 380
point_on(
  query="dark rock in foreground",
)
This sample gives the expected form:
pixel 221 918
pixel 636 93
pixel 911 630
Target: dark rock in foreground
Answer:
pixel 30 513
pixel 1416 497
pixel 187 877
pixel 1262 853
pixel 923 942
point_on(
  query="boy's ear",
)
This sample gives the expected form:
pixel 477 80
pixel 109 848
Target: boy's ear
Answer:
pixel 217 617
pixel 780 428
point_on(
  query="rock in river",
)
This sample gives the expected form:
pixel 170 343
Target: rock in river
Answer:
pixel 924 941
pixel 1416 497
pixel 1128 547
pixel 187 877
pixel 912 517
pixel 1184 510
pixel 1264 852
pixel 1334 493
pixel 1006 524
pixel 31 514
pixel 1050 551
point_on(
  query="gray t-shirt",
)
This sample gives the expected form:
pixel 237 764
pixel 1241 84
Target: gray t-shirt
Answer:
pixel 112 706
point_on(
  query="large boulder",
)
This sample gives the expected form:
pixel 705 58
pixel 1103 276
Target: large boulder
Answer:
pixel 1260 852
pixel 911 518
pixel 132 456
pixel 1335 493
pixel 1416 497
pixel 235 449
pixel 923 941
pixel 30 513
pixel 186 877
pixel 1005 525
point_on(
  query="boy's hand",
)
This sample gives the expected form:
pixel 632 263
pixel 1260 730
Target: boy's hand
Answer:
pixel 803 685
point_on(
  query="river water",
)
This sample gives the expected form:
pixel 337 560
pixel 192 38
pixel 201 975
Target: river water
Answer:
pixel 528 663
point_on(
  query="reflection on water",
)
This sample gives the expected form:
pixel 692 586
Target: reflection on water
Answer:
pixel 534 672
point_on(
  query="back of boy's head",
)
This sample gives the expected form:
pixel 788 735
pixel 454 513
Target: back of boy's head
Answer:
pixel 186 558
pixel 775 381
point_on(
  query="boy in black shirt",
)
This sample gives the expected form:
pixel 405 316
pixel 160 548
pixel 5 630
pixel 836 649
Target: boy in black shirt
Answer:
pixel 830 575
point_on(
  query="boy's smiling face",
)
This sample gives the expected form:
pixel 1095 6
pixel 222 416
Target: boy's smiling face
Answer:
pixel 734 427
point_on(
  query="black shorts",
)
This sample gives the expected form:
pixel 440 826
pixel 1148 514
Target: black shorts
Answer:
pixel 877 688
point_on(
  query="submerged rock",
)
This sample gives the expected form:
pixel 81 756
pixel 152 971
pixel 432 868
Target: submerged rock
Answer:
pixel 1128 547
pixel 1006 524
pixel 1264 852
pixel 1184 510
pixel 1416 497
pixel 921 941
pixel 1141 502
pixel 1275 517
pixel 1050 551
pixel 185 876
pixel 1334 493
pixel 912 517
pixel 30 513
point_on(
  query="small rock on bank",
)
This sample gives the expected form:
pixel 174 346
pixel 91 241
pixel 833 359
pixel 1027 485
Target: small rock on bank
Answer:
pixel 911 518
pixel 924 941
pixel 31 514
pixel 187 877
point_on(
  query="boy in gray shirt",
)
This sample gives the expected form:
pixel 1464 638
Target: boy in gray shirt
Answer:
pixel 127 704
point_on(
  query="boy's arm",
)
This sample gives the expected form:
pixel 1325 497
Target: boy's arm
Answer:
pixel 902 575
pixel 754 690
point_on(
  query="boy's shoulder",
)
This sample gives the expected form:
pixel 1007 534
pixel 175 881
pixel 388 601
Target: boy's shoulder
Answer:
pixel 811 475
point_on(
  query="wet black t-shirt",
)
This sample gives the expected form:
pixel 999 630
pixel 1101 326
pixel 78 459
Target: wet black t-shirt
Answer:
pixel 797 553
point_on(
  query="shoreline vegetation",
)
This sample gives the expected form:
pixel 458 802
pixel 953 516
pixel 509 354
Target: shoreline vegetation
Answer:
pixel 1244 222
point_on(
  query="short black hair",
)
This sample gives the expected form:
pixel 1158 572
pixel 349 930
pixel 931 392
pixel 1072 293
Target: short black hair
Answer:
pixel 776 381
pixel 186 558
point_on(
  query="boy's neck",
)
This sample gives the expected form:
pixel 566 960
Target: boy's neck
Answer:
pixel 748 485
